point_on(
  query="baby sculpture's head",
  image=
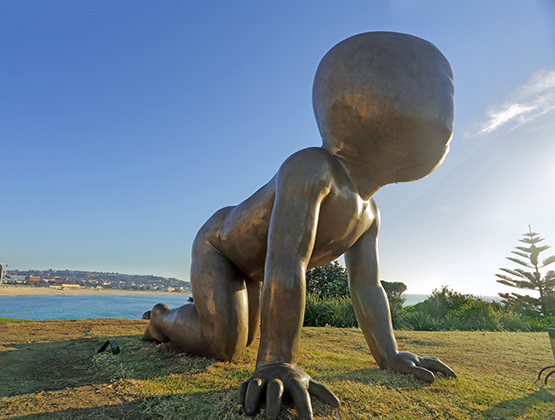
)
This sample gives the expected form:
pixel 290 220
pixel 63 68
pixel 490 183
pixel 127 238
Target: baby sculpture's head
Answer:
pixel 384 101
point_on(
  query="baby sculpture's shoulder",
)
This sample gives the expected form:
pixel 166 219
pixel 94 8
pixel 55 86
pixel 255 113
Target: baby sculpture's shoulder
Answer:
pixel 313 159
pixel 313 167
pixel 310 154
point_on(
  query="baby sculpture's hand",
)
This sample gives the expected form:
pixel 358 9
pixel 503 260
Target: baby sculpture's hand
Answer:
pixel 421 367
pixel 278 378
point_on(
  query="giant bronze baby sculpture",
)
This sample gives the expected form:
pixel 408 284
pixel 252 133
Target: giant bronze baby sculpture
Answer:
pixel 384 106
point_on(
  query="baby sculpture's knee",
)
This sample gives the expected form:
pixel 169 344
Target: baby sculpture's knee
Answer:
pixel 228 350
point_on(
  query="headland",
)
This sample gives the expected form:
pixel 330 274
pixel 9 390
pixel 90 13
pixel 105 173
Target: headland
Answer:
pixel 22 290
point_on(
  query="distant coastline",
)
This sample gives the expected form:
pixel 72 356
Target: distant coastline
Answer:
pixel 411 299
pixel 21 290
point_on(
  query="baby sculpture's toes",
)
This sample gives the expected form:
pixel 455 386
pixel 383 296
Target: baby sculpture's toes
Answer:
pixel 153 332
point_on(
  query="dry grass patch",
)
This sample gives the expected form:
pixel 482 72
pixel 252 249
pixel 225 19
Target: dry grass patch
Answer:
pixel 51 369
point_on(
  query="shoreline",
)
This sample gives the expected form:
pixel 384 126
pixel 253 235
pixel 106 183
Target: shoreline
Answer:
pixel 18 291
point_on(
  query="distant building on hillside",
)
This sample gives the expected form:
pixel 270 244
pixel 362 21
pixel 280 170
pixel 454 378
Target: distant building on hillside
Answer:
pixel 65 286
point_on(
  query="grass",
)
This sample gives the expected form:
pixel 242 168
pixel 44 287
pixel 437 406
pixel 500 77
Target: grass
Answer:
pixel 51 370
pixel 14 320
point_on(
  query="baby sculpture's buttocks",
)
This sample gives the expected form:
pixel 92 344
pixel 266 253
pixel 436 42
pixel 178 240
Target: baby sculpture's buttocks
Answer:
pixel 384 106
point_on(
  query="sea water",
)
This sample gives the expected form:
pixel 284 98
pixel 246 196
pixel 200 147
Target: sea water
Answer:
pixel 413 299
pixel 45 307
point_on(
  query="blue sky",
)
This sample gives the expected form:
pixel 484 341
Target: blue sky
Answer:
pixel 126 124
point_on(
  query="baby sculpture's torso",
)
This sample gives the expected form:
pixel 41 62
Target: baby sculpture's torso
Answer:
pixel 343 216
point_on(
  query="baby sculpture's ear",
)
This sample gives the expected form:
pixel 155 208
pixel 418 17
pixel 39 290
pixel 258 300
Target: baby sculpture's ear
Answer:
pixel 386 99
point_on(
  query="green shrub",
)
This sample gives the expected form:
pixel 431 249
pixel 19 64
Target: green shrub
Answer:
pixel 475 315
pixel 443 310
pixel 541 323
pixel 397 311
pixel 443 301
pixel 335 312
pixel 511 321
pixel 328 280
pixel 449 310
pixel 418 321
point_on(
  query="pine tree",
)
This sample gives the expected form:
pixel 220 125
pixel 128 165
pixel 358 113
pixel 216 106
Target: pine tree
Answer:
pixel 530 280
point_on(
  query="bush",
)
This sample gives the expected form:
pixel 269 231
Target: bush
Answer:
pixel 511 321
pixel 541 323
pixel 443 301
pixel 335 312
pixel 396 310
pixel 444 310
pixel 418 321
pixel 328 280
pixel 475 315
pixel 449 310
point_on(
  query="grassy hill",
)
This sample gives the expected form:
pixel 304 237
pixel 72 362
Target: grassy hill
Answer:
pixel 51 370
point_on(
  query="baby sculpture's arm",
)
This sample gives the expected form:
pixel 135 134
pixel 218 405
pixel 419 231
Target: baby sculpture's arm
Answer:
pixel 372 311
pixel 302 184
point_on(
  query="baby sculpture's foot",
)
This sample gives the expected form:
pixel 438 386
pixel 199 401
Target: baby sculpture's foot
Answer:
pixel 153 332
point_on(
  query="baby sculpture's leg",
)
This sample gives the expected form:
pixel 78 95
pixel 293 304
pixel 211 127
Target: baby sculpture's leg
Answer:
pixel 254 289
pixel 216 324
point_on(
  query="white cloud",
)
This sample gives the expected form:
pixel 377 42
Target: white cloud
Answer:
pixel 528 102
pixel 539 82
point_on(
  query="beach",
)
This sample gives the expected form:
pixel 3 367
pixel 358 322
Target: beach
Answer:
pixel 18 290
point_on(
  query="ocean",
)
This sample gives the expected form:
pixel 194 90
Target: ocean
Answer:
pixel 46 307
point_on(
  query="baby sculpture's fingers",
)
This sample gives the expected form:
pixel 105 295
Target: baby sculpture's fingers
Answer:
pixel 252 398
pixel 422 373
pixel 274 393
pixel 242 392
pixel 301 398
pixel 278 379
pixel 323 393
pixel 436 365
pixel 421 367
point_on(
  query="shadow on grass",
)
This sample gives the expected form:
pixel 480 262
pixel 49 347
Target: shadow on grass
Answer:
pixel 71 380
pixel 106 412
pixel 206 405
pixel 376 376
pixel 26 369
pixel 148 360
pixel 34 367
pixel 221 405
pixel 57 365
pixel 512 409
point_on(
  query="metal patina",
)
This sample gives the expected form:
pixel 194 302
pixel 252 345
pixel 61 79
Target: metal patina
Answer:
pixel 384 103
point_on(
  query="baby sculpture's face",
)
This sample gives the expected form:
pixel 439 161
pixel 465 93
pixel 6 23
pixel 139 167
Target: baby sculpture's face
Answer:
pixel 384 101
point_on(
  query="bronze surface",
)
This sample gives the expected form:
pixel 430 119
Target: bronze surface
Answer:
pixel 384 103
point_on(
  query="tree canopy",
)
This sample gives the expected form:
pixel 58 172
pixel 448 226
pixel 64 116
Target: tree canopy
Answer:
pixel 332 280
pixel 328 280
pixel 531 279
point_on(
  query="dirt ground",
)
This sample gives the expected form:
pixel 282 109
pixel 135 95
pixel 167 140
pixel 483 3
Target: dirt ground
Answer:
pixel 46 370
